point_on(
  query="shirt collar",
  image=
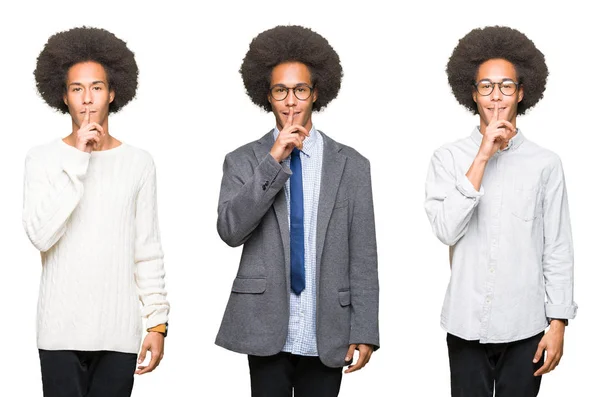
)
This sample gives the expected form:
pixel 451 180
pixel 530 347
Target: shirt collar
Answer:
pixel 513 144
pixel 309 144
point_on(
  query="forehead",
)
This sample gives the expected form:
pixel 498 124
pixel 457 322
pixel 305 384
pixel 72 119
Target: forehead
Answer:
pixel 496 70
pixel 290 74
pixel 86 72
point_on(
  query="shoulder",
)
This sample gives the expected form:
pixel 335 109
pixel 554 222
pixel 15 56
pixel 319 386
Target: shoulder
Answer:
pixel 460 145
pixel 137 156
pixel 539 154
pixel 45 151
pixel 246 152
pixel 349 152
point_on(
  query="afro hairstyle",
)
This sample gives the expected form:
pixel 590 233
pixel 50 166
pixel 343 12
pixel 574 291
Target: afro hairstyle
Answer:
pixel 65 49
pixel 291 44
pixel 494 42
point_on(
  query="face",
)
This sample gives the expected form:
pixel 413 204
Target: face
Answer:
pixel 495 71
pixel 87 88
pixel 291 75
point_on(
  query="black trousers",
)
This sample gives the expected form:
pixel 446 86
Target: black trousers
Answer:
pixel 475 367
pixel 276 376
pixel 71 373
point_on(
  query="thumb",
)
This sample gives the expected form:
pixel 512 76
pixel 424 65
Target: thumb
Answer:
pixel 143 352
pixel 350 353
pixel 539 352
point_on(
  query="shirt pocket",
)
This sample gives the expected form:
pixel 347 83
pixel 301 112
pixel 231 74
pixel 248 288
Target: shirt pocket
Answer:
pixel 523 202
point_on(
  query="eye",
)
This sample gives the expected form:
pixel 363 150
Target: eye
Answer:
pixel 97 88
pixel 485 85
pixel 279 90
pixel 301 89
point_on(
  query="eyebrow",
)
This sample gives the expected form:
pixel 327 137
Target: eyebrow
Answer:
pixel 296 86
pixel 504 79
pixel 93 83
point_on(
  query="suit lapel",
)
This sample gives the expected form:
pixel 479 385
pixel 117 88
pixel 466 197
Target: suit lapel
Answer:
pixel 331 175
pixel 261 149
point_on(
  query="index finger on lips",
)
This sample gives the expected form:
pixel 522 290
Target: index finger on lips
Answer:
pixel 86 117
pixel 495 114
pixel 290 118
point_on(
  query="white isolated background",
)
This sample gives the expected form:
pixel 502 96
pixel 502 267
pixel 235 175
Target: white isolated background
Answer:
pixel 395 107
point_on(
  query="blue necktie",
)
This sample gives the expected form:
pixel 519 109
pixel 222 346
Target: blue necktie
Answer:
pixel 296 224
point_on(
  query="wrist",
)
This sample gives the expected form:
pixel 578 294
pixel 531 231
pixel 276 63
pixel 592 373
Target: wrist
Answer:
pixel 277 158
pixel 481 158
pixel 558 323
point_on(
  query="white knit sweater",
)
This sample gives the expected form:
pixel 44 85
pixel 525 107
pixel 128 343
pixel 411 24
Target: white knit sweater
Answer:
pixel 94 219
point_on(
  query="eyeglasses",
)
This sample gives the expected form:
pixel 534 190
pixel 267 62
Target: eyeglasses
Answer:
pixel 279 92
pixel 486 87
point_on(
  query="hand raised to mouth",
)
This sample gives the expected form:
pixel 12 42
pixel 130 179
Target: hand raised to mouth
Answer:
pixel 496 135
pixel 88 135
pixel 291 136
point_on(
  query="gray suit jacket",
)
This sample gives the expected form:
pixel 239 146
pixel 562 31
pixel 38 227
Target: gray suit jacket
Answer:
pixel 253 212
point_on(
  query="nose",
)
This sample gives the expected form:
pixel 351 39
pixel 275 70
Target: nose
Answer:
pixel 496 94
pixel 87 97
pixel 291 99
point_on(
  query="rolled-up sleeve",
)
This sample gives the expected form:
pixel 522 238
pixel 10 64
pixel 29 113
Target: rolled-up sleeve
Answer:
pixel 450 199
pixel 557 258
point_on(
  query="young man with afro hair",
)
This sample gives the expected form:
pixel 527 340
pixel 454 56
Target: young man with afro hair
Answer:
pixel 306 293
pixel 500 202
pixel 90 209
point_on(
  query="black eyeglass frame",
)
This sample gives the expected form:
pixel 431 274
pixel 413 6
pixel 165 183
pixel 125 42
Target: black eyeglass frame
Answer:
pixel 310 91
pixel 499 84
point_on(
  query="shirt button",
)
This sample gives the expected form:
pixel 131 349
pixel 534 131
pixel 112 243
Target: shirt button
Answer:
pixel 487 300
pixel 491 270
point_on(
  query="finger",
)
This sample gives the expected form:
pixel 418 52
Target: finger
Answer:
pixel 509 126
pixel 87 138
pixel 290 118
pixel 495 114
pixel 538 353
pixel 544 369
pixel 148 368
pixel 86 117
pixel 97 127
pixel 90 127
pixel 302 131
pixel 359 363
pixel 299 142
pixel 350 353
pixel 369 354
pixel 153 361
pixel 142 355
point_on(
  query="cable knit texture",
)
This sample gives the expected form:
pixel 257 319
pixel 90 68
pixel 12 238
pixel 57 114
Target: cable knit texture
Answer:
pixel 94 219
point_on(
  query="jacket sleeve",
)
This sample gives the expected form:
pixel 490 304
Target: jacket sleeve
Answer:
pixel 246 197
pixel 50 195
pixel 364 280
pixel 450 199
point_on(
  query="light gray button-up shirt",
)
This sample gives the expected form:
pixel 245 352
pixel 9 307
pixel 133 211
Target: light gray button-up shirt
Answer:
pixel 511 250
pixel 302 329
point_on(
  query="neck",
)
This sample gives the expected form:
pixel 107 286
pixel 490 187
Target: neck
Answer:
pixel 107 142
